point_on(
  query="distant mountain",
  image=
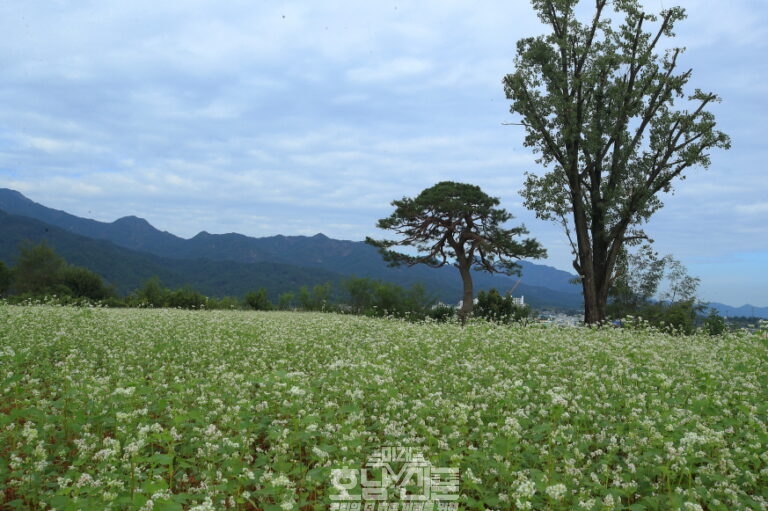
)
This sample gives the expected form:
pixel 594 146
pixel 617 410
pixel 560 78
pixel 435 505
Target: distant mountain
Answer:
pixel 129 232
pixel 145 249
pixel 745 311
pixel 127 269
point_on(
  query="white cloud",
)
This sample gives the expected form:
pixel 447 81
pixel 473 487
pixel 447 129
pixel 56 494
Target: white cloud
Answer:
pixel 395 69
pixel 753 208
pixel 713 23
pixel 302 117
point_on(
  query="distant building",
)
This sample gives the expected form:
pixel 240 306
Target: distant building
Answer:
pixel 520 302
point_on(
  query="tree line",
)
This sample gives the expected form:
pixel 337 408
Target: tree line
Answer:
pixel 40 274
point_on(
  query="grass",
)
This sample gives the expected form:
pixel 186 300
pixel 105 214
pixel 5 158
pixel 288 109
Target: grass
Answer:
pixel 172 410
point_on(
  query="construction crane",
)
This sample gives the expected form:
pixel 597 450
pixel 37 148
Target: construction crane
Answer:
pixel 516 301
pixel 515 286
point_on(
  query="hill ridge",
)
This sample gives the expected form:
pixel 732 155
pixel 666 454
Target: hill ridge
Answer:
pixel 542 285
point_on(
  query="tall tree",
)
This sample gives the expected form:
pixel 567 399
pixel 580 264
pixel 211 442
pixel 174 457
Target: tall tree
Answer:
pixel 6 277
pixel 682 287
pixel 636 279
pixel 460 224
pixel 598 104
pixel 38 270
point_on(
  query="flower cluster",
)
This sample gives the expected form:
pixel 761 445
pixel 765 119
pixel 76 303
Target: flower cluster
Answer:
pixel 171 409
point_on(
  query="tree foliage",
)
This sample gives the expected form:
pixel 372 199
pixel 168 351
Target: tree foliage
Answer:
pixel 6 277
pixel 636 291
pixel 682 286
pixel 82 282
pixel 40 271
pixel 604 107
pixel 493 306
pixel 258 300
pixel 153 293
pixel 636 281
pixel 377 298
pixel 456 223
pixel 714 323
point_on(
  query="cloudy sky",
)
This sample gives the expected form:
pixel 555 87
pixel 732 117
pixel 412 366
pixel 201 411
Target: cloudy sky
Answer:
pixel 298 117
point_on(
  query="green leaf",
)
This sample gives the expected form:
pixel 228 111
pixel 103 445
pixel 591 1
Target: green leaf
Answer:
pixel 167 505
pixel 160 459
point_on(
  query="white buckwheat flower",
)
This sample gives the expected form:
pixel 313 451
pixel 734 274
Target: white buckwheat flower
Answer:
pixel 556 491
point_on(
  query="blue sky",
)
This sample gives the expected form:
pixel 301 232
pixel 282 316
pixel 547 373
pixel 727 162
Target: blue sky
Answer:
pixel 299 117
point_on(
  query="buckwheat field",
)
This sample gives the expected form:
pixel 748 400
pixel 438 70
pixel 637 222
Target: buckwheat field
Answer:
pixel 197 410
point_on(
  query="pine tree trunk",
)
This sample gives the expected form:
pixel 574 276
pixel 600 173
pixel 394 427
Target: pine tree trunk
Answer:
pixel 468 293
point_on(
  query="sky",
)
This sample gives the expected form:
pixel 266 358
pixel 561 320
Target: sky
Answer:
pixel 300 117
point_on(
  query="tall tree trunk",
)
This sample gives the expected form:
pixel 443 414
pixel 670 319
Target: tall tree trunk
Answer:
pixel 595 292
pixel 468 292
pixel 604 256
pixel 592 311
pixel 587 263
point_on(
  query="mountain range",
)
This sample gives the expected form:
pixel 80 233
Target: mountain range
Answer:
pixel 129 251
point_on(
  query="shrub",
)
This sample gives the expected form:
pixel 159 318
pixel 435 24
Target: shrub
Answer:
pixel 501 309
pixel 83 283
pixel 441 313
pixel 5 278
pixel 257 300
pixel 152 293
pixel 187 298
pixel 714 324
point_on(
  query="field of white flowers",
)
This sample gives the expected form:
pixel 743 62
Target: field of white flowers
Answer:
pixel 172 410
